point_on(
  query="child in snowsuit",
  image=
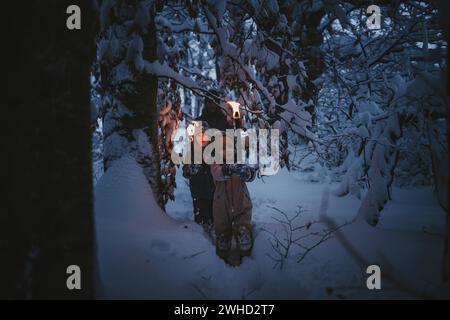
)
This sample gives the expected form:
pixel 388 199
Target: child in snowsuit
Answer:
pixel 200 180
pixel 202 190
pixel 232 208
pixel 201 184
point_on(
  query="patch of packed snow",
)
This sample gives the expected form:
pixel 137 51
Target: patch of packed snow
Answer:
pixel 145 253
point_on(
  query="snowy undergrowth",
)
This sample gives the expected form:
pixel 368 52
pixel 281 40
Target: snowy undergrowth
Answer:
pixel 144 253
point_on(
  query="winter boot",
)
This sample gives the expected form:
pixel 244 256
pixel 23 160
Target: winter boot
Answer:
pixel 208 227
pixel 223 246
pixel 244 240
pixel 197 217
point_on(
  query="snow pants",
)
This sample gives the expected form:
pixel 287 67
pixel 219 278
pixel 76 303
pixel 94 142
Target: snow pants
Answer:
pixel 232 208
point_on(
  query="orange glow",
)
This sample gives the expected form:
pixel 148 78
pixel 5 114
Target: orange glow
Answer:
pixel 190 130
pixel 236 112
pixel 191 127
pixel 202 139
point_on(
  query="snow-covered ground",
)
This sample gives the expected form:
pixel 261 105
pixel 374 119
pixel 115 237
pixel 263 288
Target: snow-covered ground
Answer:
pixel 144 253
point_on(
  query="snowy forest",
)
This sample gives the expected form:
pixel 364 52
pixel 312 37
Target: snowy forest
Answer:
pixel 357 92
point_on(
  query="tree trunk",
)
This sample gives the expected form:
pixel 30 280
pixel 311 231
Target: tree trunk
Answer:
pixel 446 265
pixel 48 222
pixel 444 8
pixel 130 118
pixel 147 105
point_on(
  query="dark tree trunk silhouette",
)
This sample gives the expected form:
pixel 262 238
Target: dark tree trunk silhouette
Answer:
pixel 137 95
pixel 48 221
pixel 444 8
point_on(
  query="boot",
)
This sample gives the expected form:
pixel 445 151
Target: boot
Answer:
pixel 244 240
pixel 208 227
pixel 223 246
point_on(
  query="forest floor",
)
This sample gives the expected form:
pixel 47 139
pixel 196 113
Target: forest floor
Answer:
pixel 145 253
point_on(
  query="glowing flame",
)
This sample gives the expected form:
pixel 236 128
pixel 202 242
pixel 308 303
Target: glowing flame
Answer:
pixel 235 106
pixel 202 139
pixel 191 128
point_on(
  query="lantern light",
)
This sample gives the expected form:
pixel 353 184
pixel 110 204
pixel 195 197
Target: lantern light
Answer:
pixel 235 106
pixel 191 128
